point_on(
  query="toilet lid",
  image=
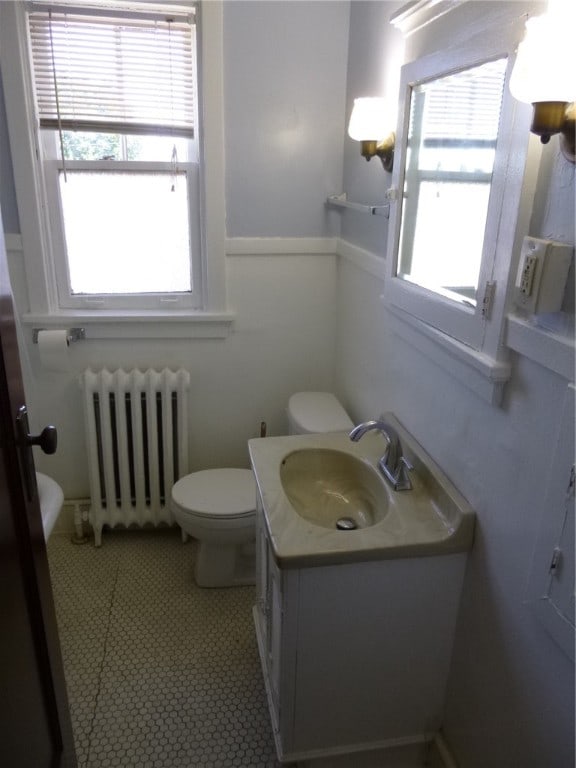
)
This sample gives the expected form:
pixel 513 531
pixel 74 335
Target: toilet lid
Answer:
pixel 216 492
pixel 318 412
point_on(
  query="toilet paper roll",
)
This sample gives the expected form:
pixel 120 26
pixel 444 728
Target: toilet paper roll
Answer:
pixel 53 347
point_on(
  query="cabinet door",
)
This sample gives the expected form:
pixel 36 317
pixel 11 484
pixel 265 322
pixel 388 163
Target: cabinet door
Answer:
pixel 269 611
pixel 261 572
pixel 551 587
pixel 274 632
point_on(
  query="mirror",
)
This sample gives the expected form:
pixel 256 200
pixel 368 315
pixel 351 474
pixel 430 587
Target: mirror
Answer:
pixel 450 153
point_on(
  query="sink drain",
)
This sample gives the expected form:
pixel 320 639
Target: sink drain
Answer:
pixel 346 524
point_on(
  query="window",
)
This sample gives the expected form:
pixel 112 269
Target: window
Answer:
pixel 115 102
pixel 38 162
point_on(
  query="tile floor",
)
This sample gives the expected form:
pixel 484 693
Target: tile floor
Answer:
pixel 160 673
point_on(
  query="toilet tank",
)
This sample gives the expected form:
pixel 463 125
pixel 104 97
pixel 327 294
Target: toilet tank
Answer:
pixel 313 412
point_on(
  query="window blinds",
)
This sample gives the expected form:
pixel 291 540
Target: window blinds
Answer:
pixel 108 73
pixel 465 107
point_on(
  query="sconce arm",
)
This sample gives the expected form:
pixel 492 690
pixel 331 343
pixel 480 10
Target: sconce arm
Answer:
pixel 383 149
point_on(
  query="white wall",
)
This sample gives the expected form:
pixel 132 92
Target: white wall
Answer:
pixel 510 693
pixel 284 80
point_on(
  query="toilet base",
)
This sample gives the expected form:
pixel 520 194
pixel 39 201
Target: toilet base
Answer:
pixel 225 565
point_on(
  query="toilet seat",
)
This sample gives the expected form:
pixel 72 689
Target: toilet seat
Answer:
pixel 216 493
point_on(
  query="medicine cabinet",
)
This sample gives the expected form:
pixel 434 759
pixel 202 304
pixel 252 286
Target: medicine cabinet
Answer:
pixel 450 152
pixel 456 189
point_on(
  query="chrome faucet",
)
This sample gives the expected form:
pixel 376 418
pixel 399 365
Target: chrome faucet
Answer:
pixel 393 465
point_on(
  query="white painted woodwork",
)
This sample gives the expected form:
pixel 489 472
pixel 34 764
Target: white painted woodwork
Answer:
pixel 355 656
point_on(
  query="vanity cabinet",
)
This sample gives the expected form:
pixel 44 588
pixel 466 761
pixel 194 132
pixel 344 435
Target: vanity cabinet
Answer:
pixel 355 655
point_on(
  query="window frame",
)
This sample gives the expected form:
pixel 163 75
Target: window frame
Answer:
pixel 451 323
pixel 31 190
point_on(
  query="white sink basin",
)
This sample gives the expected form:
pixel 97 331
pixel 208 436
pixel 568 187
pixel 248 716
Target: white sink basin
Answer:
pixel 333 489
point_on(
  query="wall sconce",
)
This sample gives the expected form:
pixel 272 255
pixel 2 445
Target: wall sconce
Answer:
pixel 368 124
pixel 543 75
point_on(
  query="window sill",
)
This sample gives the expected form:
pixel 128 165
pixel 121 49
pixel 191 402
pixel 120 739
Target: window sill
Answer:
pixel 481 373
pixel 103 324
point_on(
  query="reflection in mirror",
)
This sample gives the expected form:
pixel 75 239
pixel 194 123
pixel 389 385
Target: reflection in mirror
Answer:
pixel 449 162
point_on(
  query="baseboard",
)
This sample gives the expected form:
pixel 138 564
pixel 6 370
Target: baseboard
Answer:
pixel 440 755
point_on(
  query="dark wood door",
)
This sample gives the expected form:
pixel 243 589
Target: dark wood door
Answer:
pixel 35 729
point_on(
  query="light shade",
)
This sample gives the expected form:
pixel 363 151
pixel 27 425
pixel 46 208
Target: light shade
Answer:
pixel 369 119
pixel 544 68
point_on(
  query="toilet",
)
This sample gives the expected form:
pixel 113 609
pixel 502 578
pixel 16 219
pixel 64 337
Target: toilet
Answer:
pixel 50 498
pixel 218 506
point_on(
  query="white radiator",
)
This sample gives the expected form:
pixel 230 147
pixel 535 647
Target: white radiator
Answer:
pixel 137 440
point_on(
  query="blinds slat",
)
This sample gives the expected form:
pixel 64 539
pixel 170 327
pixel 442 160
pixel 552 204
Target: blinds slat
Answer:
pixel 99 126
pixel 465 106
pixel 113 74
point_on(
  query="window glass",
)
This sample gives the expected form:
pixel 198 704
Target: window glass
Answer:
pixel 457 267
pixel 448 175
pixel 126 232
pixel 86 145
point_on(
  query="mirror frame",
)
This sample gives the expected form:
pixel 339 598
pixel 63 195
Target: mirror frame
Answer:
pixel 465 323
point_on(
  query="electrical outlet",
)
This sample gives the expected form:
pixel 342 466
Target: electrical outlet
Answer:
pixel 542 275
pixel 527 275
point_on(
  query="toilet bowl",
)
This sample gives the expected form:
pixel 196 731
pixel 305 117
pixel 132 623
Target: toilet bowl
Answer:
pixel 50 498
pixel 218 506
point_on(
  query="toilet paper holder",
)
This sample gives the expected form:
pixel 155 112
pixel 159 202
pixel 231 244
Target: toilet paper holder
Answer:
pixel 73 334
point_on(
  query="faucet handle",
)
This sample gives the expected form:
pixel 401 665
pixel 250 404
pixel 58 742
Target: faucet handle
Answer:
pixel 406 463
pixel 403 482
pixel 399 479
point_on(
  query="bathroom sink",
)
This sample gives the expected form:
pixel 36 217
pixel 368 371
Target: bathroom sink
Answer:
pixel 313 488
pixel 333 489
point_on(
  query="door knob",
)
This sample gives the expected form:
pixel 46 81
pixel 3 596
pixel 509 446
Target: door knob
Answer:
pixel 47 440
